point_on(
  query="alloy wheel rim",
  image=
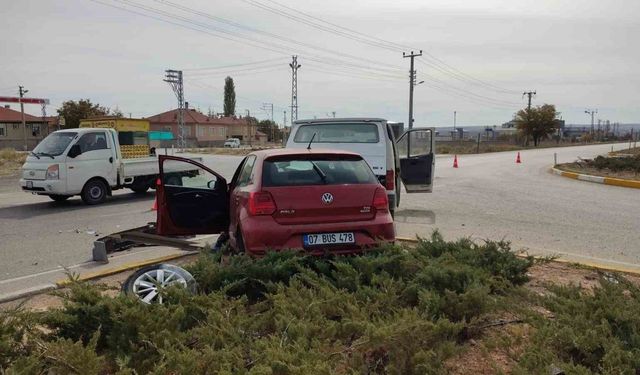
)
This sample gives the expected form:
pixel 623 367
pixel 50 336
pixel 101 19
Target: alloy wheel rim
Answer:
pixel 148 287
pixel 95 192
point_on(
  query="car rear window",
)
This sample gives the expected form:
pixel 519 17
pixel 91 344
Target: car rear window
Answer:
pixel 316 171
pixel 338 133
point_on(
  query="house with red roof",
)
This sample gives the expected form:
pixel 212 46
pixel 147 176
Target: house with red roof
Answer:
pixel 207 131
pixel 14 135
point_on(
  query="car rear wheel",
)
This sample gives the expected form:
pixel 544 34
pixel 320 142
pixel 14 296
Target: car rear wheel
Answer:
pixel 239 241
pixel 59 198
pixel 94 192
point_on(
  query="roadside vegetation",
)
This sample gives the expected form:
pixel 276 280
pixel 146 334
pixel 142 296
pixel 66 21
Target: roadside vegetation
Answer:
pixel 11 161
pixel 443 307
pixel 626 167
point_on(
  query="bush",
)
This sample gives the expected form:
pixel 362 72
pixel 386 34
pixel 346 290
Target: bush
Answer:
pixel 617 164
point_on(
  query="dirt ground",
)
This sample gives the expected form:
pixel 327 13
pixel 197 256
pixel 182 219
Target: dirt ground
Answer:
pixel 629 151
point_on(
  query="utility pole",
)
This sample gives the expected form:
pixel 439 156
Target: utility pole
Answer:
pixel 174 78
pixel 284 120
pixel 530 94
pixel 591 112
pixel 294 88
pixel 22 91
pixel 334 114
pixel 269 106
pixel 454 123
pixel 249 130
pixel 412 83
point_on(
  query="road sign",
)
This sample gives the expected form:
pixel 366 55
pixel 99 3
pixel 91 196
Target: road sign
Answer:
pixel 15 99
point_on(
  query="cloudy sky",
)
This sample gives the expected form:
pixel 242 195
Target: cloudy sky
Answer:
pixel 479 56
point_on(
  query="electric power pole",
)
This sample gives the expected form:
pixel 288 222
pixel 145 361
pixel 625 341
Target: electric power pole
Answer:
pixel 269 106
pixel 284 120
pixel 294 88
pixel 249 130
pixel 412 83
pixel 22 91
pixel 174 78
pixel 591 112
pixel 530 94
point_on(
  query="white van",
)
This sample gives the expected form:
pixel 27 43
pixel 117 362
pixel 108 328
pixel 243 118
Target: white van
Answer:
pixel 410 159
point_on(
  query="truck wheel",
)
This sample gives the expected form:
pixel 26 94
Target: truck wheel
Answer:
pixel 94 192
pixel 59 198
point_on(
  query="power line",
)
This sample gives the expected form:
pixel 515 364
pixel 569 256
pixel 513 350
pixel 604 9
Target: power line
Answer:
pixel 233 65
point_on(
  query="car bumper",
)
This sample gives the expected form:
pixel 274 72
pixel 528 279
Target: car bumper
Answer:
pixel 43 186
pixel 262 234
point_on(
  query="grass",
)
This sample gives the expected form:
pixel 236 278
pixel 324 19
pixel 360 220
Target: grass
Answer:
pixel 394 310
pixel 11 161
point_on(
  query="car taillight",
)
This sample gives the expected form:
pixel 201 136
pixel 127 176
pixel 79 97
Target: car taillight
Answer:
pixel 380 200
pixel 261 203
pixel 390 180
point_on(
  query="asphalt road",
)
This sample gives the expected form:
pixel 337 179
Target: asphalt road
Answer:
pixel 488 197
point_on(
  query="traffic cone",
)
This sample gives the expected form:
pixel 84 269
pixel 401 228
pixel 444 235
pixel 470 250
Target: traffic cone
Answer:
pixel 518 158
pixel 455 161
pixel 155 204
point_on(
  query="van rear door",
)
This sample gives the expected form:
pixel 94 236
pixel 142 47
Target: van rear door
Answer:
pixel 417 159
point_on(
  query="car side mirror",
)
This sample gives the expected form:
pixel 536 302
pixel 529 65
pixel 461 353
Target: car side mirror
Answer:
pixel 211 184
pixel 74 151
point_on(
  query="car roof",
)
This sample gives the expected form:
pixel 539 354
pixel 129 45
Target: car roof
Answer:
pixel 344 119
pixel 301 151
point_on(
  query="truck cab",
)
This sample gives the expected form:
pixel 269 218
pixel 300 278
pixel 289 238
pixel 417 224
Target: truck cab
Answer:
pixel 82 161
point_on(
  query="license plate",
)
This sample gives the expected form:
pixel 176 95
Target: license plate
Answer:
pixel 29 184
pixel 328 239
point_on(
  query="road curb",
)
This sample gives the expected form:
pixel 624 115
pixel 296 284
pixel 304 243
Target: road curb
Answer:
pixel 125 267
pixel 598 266
pixel 598 179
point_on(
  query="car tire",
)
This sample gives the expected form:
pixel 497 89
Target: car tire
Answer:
pixel 59 198
pixel 147 284
pixel 398 191
pixel 240 241
pixel 94 192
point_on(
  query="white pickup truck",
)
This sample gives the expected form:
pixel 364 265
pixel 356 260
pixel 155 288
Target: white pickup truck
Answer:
pixel 87 162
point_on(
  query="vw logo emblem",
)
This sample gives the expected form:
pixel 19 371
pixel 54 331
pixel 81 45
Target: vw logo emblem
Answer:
pixel 327 198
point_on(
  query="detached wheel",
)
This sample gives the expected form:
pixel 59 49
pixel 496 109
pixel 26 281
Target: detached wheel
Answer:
pixel 149 284
pixel 94 192
pixel 59 198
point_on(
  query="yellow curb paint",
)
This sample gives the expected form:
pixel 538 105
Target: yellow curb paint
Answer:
pixel 622 182
pixel 606 180
pixel 125 267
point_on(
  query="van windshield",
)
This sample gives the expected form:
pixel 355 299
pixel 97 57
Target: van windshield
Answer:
pixel 318 170
pixel 338 133
pixel 54 144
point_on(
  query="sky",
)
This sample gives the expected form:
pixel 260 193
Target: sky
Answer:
pixel 479 56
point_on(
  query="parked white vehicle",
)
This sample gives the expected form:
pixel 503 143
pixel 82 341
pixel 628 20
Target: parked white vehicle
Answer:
pixel 86 162
pixel 410 159
pixel 232 143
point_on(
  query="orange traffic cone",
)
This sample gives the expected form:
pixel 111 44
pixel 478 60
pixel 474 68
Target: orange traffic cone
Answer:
pixel 455 161
pixel 518 158
pixel 155 204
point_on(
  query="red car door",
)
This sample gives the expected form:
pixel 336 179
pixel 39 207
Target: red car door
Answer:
pixel 192 199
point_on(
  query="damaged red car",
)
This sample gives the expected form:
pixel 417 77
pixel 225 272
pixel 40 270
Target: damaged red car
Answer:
pixel 322 201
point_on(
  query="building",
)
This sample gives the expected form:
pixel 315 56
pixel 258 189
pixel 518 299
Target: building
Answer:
pixel 13 135
pixel 207 131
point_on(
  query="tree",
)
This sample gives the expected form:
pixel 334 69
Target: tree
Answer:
pixel 229 97
pixel 537 122
pixel 73 111
pixel 271 129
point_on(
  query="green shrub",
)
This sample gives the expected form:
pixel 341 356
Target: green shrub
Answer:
pixel 392 310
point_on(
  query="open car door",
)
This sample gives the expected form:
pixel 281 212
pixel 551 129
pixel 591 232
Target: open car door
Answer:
pixel 192 199
pixel 416 148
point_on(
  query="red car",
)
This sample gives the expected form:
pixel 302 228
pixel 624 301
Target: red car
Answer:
pixel 317 200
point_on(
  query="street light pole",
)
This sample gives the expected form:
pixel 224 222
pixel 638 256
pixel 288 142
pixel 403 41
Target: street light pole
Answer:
pixel 22 91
